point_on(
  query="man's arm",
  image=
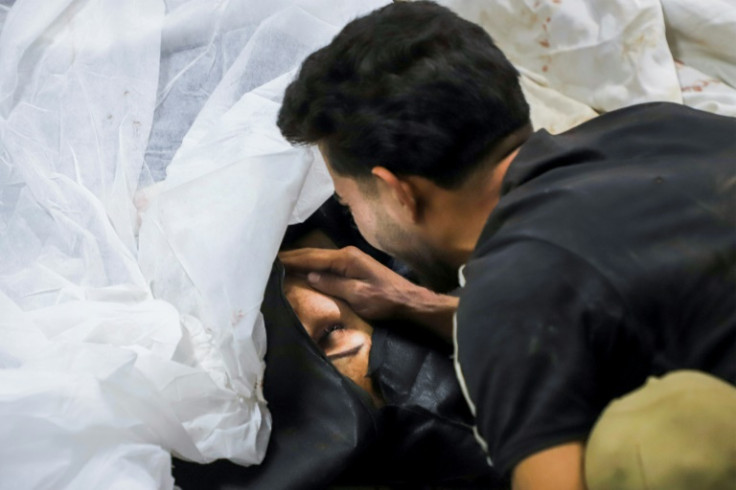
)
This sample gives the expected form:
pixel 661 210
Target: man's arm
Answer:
pixel 373 290
pixel 557 468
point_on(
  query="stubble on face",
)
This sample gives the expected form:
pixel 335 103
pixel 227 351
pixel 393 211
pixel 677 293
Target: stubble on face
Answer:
pixel 425 261
pixel 384 233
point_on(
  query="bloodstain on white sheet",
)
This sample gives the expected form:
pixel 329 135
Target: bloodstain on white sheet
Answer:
pixel 237 316
pixel 699 85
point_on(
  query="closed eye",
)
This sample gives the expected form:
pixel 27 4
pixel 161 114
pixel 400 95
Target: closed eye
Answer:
pixel 347 353
pixel 325 334
pixel 334 343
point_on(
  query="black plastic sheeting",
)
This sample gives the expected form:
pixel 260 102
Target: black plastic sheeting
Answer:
pixel 326 431
pixel 321 420
pixel 425 429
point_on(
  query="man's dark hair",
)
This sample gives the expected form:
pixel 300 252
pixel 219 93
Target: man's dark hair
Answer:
pixel 411 87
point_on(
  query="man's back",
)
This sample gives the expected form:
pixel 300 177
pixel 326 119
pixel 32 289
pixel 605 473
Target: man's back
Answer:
pixel 609 258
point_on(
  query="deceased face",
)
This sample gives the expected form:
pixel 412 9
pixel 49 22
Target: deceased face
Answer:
pixel 338 331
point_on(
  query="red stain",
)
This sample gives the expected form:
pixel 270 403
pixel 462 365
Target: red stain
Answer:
pixel 544 43
pixel 545 68
pixel 698 86
pixel 548 19
pixel 237 316
pixel 556 1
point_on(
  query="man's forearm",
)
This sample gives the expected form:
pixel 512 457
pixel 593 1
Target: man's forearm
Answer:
pixel 556 468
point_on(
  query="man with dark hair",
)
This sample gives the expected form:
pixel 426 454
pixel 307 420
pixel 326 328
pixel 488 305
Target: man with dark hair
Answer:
pixel 411 102
pixel 593 260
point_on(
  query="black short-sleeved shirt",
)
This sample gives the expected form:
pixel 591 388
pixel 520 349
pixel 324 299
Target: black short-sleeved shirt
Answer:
pixel 609 258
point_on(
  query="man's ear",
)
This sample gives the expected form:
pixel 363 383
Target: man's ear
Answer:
pixel 402 190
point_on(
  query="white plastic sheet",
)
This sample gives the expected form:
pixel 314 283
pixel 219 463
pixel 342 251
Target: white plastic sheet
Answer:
pixel 144 189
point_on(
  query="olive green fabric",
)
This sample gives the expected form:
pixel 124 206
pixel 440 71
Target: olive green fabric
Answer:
pixel 677 432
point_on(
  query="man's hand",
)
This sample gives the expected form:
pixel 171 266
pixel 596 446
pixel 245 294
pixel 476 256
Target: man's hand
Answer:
pixel 374 291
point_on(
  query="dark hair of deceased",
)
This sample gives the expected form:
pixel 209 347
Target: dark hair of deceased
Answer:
pixel 411 87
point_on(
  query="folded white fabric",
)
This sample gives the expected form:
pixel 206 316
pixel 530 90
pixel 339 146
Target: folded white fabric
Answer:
pixel 706 92
pixel 606 54
pixel 701 35
pixel 144 190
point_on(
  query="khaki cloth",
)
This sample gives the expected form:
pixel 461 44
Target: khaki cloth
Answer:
pixel 677 432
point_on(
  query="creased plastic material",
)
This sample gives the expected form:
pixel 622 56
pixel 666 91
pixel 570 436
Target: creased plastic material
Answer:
pixel 614 53
pixel 144 189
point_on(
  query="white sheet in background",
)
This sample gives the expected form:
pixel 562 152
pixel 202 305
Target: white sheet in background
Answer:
pixel 119 345
pixel 703 35
pixel 706 92
pixel 606 54
pixel 549 109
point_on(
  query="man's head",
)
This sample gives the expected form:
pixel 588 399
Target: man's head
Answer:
pixel 410 90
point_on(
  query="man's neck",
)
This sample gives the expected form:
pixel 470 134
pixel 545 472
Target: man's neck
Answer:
pixel 463 212
pixel 451 220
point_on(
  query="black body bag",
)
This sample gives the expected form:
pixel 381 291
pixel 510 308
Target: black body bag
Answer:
pixel 326 430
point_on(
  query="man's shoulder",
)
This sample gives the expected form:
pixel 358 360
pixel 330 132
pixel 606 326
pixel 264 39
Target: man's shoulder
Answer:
pixel 651 124
pixel 602 176
pixel 643 112
pixel 520 266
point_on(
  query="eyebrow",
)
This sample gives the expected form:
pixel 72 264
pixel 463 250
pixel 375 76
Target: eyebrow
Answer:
pixel 347 353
